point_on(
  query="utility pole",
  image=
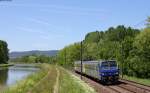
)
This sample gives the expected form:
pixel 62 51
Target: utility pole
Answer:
pixel 65 57
pixel 98 44
pixel 81 52
pixel 122 60
pixel 121 52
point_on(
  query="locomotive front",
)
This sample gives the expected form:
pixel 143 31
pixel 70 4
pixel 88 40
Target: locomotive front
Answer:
pixel 109 71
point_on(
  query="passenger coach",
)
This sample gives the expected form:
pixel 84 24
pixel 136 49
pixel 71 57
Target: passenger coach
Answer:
pixel 105 71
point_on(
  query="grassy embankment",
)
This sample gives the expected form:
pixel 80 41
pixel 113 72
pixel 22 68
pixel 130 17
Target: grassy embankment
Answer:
pixel 6 65
pixel 33 81
pixel 69 83
pixel 50 79
pixel 138 80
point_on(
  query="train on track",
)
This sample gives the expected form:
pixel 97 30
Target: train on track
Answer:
pixel 105 70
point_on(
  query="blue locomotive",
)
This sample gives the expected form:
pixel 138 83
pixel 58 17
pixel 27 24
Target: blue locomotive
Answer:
pixel 105 71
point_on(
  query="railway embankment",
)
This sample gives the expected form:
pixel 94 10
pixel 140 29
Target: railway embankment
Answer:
pixel 123 86
pixel 138 80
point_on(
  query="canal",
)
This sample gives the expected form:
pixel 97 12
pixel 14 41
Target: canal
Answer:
pixel 10 75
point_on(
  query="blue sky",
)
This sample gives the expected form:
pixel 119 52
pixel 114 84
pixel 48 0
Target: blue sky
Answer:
pixel 53 24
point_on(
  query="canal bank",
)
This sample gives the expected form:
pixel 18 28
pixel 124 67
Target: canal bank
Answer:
pixel 13 74
pixel 6 65
pixel 27 80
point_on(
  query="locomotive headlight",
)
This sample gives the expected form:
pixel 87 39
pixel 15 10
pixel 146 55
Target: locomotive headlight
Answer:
pixel 103 74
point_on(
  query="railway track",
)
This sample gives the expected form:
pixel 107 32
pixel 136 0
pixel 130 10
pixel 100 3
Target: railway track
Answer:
pixel 118 89
pixel 123 86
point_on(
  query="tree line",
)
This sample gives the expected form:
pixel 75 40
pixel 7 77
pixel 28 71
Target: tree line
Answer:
pixel 129 46
pixel 34 59
pixel 4 55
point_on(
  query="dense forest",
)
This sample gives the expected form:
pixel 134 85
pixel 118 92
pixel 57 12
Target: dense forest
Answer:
pixel 3 52
pixel 129 46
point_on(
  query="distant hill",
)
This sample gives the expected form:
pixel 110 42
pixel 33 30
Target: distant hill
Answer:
pixel 37 52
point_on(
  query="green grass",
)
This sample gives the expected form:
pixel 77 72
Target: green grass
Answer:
pixel 138 80
pixel 69 83
pixel 6 65
pixel 47 83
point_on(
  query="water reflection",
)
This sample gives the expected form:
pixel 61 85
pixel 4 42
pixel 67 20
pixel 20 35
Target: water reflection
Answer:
pixel 10 75
pixel 3 76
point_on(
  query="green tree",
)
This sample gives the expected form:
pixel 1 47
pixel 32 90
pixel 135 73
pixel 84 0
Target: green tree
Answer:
pixel 148 22
pixel 140 55
pixel 4 52
pixel 93 37
pixel 69 54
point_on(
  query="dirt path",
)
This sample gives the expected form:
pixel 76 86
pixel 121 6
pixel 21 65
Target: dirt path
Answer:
pixel 39 82
pixel 56 86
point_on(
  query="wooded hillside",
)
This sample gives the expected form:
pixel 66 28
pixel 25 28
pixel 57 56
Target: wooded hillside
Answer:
pixel 129 46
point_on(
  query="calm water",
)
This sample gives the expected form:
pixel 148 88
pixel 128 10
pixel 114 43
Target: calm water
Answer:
pixel 10 75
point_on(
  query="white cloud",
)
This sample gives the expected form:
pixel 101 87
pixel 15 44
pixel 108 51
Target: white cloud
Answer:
pixel 54 29
pixel 74 10
pixel 41 34
pixel 29 30
pixel 85 9
pixel 40 21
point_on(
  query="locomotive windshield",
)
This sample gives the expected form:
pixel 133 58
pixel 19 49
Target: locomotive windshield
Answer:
pixel 112 63
pixel 109 64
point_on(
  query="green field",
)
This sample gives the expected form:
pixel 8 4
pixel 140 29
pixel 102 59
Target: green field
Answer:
pixel 50 79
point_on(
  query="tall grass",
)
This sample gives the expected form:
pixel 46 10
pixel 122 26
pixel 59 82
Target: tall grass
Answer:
pixel 47 83
pixel 69 83
pixel 138 80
